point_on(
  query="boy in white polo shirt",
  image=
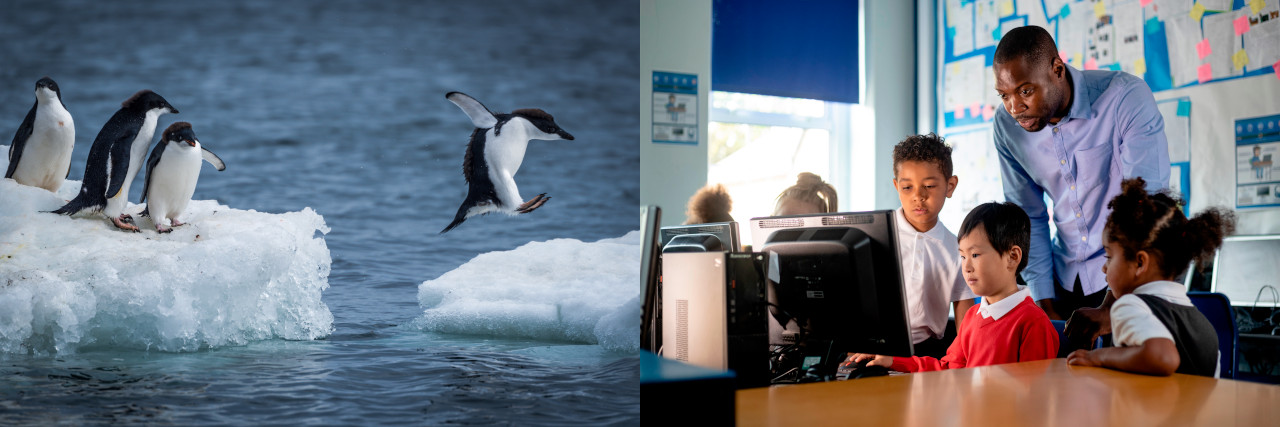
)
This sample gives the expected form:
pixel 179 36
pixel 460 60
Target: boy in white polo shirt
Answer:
pixel 928 251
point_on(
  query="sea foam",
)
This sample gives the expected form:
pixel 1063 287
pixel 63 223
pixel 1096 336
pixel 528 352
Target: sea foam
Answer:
pixel 228 277
pixel 557 290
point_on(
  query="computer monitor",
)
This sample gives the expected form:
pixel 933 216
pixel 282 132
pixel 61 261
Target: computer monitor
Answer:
pixel 839 287
pixel 650 217
pixel 1244 267
pixel 689 236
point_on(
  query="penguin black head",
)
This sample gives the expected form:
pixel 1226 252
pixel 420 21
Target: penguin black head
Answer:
pixel 48 83
pixel 146 100
pixel 179 133
pixel 543 121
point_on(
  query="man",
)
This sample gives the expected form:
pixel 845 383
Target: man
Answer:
pixel 1071 135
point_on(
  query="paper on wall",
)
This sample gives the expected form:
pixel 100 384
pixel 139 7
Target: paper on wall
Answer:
pixel 1182 34
pixel 1263 39
pixel 1169 9
pixel 1035 13
pixel 986 22
pixel 1128 24
pixel 1177 130
pixel 1223 42
pixel 1101 40
pixel 963 82
pixel 1071 33
pixel 963 41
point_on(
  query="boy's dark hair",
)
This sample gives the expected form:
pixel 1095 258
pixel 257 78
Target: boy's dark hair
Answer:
pixel 923 148
pixel 1154 223
pixel 1031 43
pixel 1006 225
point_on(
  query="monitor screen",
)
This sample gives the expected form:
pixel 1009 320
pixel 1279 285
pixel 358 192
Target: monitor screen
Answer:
pixel 832 290
pixel 1244 267
pixel 726 234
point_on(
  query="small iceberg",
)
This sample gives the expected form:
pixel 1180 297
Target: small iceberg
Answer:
pixel 226 278
pixel 557 290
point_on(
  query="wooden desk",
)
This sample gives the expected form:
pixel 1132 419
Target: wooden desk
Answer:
pixel 1042 393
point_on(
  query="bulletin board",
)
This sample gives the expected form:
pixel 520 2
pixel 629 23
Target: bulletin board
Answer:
pixel 1183 49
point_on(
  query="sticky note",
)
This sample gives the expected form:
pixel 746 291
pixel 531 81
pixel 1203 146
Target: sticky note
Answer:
pixel 1184 107
pixel 1197 11
pixel 1144 3
pixel 1242 25
pixel 1114 67
pixel 990 112
pixel 1006 8
pixel 1276 67
pixel 951 32
pixel 1091 64
pixel 1153 25
pixel 1203 48
pixel 1140 66
pixel 1063 54
pixel 1257 6
pixel 995 34
pixel 1240 59
pixel 1204 73
pixel 975 110
pixel 1100 9
pixel 960 110
pixel 1066 11
pixel 1078 60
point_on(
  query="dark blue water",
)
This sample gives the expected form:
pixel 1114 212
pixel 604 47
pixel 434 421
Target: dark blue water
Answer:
pixel 339 106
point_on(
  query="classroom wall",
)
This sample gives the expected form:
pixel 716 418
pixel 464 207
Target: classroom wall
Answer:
pixel 675 36
pixel 890 48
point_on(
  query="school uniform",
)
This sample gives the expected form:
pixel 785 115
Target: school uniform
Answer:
pixel 931 282
pixel 1161 309
pixel 1012 330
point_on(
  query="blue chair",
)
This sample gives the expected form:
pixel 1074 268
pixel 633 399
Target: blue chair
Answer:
pixel 1217 308
pixel 1061 326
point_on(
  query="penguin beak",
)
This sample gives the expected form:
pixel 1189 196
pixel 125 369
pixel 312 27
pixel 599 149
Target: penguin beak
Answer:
pixel 191 142
pixel 565 135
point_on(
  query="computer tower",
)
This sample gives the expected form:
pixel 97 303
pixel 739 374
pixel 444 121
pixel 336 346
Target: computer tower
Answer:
pixel 713 313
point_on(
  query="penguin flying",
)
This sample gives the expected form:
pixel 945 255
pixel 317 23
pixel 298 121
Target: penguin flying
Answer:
pixel 115 157
pixel 494 155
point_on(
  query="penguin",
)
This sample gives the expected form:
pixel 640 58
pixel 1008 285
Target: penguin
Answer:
pixel 494 155
pixel 40 155
pixel 172 171
pixel 115 157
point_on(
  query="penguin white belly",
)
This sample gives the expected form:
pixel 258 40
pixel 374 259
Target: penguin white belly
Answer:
pixel 137 157
pixel 173 183
pixel 47 155
pixel 505 153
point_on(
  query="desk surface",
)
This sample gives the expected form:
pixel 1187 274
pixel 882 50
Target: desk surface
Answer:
pixel 1047 393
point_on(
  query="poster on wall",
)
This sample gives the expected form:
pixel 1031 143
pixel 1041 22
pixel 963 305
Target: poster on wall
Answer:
pixel 675 108
pixel 1258 162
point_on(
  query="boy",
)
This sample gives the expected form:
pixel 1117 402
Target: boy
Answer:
pixel 1007 327
pixel 930 270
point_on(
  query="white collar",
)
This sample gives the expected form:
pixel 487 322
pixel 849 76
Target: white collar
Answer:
pixel 938 232
pixel 1004 306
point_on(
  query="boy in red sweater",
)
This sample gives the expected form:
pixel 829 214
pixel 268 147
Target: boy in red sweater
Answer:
pixel 1007 327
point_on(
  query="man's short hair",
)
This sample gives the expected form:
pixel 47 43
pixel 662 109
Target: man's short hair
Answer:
pixel 1030 43
pixel 1006 225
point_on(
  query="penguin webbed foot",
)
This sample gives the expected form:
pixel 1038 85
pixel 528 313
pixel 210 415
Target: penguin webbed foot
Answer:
pixel 177 223
pixel 125 222
pixel 533 203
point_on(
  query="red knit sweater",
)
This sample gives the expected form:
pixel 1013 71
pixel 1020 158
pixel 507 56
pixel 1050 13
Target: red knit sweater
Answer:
pixel 1022 335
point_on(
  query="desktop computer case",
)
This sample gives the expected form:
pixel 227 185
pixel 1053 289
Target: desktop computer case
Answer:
pixel 713 313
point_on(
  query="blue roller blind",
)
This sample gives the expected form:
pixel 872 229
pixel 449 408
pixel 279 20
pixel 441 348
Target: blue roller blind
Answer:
pixel 796 49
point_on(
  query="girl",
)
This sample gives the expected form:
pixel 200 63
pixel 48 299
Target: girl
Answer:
pixel 1148 242
pixel 810 195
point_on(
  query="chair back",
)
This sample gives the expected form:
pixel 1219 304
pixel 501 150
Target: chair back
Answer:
pixel 1217 308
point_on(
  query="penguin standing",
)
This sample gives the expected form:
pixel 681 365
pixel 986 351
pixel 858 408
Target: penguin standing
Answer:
pixel 115 157
pixel 172 171
pixel 494 155
pixel 40 155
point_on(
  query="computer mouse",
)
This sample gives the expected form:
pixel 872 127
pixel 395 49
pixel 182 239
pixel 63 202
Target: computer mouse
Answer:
pixel 869 371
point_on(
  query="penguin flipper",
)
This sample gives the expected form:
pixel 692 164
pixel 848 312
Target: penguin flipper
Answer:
pixel 20 141
pixel 213 159
pixel 152 161
pixel 118 161
pixel 480 116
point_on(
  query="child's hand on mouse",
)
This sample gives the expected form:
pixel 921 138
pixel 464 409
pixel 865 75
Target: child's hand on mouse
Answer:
pixel 872 359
